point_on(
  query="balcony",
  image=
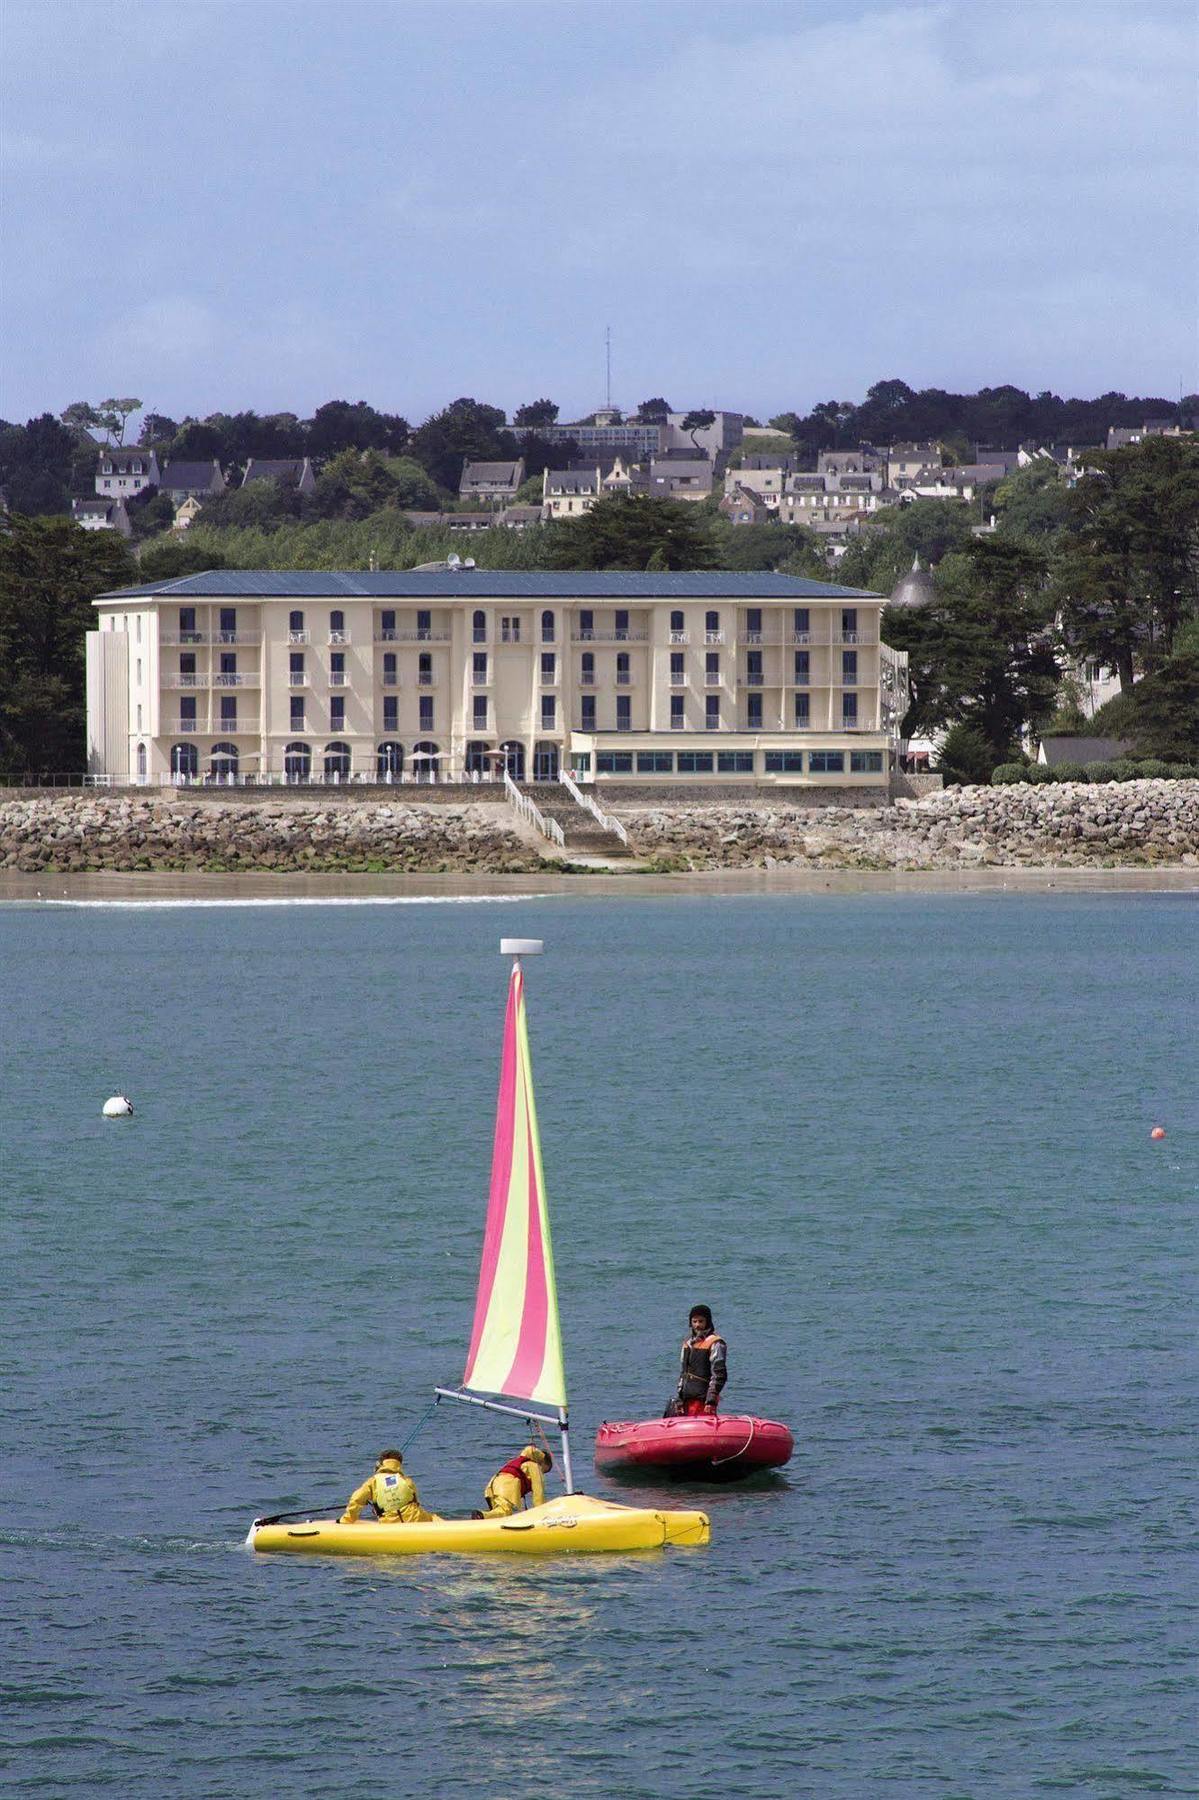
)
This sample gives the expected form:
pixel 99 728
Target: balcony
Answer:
pixel 299 637
pixel 678 679
pixel 855 637
pixel 587 678
pixel 338 678
pixel 624 678
pixel 423 635
pixel 183 637
pixel 753 637
pixel 591 636
pixel 713 637
pixel 390 678
pixel 338 637
pixel 754 678
pixel 858 725
pixel 236 637
pixel 678 724
pixel 297 678
pixel 551 680
pixel 713 678
pixel 426 678
pixel 172 727
pixel 680 637
pixel 185 681
pixel 227 680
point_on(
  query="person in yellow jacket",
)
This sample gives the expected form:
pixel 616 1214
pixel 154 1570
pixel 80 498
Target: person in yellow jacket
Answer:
pixel 522 1478
pixel 392 1494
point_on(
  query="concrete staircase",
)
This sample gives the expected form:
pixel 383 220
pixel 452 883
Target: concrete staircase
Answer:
pixel 585 838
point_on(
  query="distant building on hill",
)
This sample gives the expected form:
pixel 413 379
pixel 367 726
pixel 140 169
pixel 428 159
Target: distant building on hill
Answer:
pixel 122 473
pixel 102 515
pixel 494 481
pixel 191 480
pixel 289 471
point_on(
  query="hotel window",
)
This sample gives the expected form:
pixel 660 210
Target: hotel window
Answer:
pixel 865 762
pixel 677 720
pixel 586 623
pixel 624 713
pixel 187 619
pixel 753 668
pixel 295 621
pixel 754 713
pixel 337 712
pixel 695 762
pixel 849 665
pixel 547 627
pixel 479 666
pixel 187 662
pixel 510 630
pixel 426 712
pixel 549 712
pixel 677 675
pixel 623 676
pixel 803 665
pixel 802 619
pixel 387 623
pixel 228 662
pixel 712 621
pixel 676 621
pixel 753 618
pixel 622 623
pixel 849 709
pixel 655 762
pixel 478 628
pixel 712 664
pixel 735 762
pixel 391 713
pixel 587 668
pixel 479 713
pixel 849 618
pixel 229 712
pixel 587 712
pixel 424 623
pixel 297 712
pixel 337 623
pixel 826 762
pixel 784 762
pixel 712 712
pixel 803 709
pixel 337 669
pixel 187 711
pixel 549 665
pixel 390 670
pixel 424 671
pixel 228 619
pixel 614 762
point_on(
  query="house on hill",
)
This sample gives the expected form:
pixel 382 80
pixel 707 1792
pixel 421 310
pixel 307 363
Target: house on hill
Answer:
pixel 102 515
pixel 289 471
pixel 191 480
pixel 497 482
pixel 122 473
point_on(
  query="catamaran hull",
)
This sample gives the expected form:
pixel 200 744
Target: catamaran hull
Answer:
pixel 703 1448
pixel 573 1524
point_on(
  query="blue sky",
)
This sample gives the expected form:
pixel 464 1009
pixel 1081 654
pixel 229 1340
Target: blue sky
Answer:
pixel 271 203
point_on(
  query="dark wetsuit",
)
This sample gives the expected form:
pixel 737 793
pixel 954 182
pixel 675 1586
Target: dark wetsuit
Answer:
pixel 703 1370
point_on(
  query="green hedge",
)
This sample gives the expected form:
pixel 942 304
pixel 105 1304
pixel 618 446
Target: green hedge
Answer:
pixel 1040 774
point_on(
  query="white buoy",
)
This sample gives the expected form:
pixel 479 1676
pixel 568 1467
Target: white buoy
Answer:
pixel 118 1106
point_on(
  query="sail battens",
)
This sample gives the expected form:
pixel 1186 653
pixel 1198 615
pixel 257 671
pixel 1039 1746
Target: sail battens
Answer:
pixel 516 1345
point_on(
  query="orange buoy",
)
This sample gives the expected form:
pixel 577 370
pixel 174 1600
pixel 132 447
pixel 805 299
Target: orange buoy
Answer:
pixel 1159 1131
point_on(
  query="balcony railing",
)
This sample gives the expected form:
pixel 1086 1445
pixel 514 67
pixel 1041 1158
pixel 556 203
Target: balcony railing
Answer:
pixel 338 678
pixel 426 678
pixel 678 724
pixel 801 637
pixel 859 725
pixel 678 678
pixel 338 637
pixel 227 680
pixel 591 636
pixel 680 637
pixel 185 681
pixel 755 678
pixel 390 678
pixel 297 678
pixel 713 678
pixel 550 680
pixel 183 637
pixel 624 678
pixel 713 637
pixel 484 680
pixel 424 635
pixel 855 637
pixel 587 678
pixel 236 637
pixel 299 637
pixel 753 637
pixel 183 725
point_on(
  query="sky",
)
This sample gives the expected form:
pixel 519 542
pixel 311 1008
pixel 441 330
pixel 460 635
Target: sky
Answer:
pixel 267 204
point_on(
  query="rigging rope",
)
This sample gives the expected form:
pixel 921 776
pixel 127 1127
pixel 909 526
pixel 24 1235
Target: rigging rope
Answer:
pixel 420 1425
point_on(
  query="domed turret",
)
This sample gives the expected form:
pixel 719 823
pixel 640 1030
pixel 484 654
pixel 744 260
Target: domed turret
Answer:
pixel 913 589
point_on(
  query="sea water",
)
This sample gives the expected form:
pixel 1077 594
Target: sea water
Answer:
pixel 899 1144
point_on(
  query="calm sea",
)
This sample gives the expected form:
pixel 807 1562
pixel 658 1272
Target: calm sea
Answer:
pixel 900 1144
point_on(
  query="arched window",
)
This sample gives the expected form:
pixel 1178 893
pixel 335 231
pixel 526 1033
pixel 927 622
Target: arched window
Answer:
pixel 712 621
pixel 513 753
pixel 185 762
pixel 223 766
pixel 479 760
pixel 295 621
pixel 547 627
pixel 390 761
pixel 142 766
pixel 337 627
pixel 676 621
pixel 426 762
pixel 297 762
pixel 478 627
pixel 337 761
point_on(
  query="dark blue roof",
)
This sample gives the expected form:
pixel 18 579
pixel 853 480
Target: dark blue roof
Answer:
pixel 500 584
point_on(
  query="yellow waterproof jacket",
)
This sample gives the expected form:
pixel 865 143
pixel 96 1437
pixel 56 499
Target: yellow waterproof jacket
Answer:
pixel 392 1493
pixel 506 1489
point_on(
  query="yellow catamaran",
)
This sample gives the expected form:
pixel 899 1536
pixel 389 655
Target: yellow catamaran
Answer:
pixel 515 1355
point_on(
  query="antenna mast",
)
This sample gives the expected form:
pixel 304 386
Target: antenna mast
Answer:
pixel 608 366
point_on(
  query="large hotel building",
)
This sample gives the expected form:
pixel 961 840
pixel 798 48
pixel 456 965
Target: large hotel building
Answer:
pixel 457 673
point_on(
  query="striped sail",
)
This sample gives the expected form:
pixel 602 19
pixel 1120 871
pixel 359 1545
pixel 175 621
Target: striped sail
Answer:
pixel 516 1343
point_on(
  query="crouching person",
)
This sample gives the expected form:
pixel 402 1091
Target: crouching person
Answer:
pixel 521 1480
pixel 392 1494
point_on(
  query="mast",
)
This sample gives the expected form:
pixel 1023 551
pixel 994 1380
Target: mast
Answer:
pixel 516 1344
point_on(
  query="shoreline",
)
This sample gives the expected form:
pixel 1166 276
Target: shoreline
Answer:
pixel 159 887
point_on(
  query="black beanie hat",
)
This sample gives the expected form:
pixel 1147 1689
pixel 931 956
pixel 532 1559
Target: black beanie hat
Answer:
pixel 705 1310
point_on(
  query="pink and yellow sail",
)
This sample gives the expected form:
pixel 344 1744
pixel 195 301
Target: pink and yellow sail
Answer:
pixel 516 1342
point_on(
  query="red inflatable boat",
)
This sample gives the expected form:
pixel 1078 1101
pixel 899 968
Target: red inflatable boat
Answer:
pixel 706 1447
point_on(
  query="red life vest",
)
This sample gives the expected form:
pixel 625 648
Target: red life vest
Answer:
pixel 517 1467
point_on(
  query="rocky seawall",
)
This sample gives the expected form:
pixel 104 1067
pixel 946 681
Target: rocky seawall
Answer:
pixel 149 831
pixel 1128 824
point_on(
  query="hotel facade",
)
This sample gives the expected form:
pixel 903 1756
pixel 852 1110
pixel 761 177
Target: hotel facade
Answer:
pixel 456 674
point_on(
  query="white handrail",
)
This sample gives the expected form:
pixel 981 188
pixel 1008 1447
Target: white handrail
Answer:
pixel 526 809
pixel 586 801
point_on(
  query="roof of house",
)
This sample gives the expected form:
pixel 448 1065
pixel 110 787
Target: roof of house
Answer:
pixel 274 468
pixel 189 474
pixel 96 506
pixel 570 481
pixel 124 453
pixel 505 584
pixel 490 471
pixel 915 588
pixel 1056 750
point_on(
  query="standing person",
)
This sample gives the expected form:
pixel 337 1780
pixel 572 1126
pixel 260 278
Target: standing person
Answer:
pixel 392 1494
pixel 703 1366
pixel 522 1478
